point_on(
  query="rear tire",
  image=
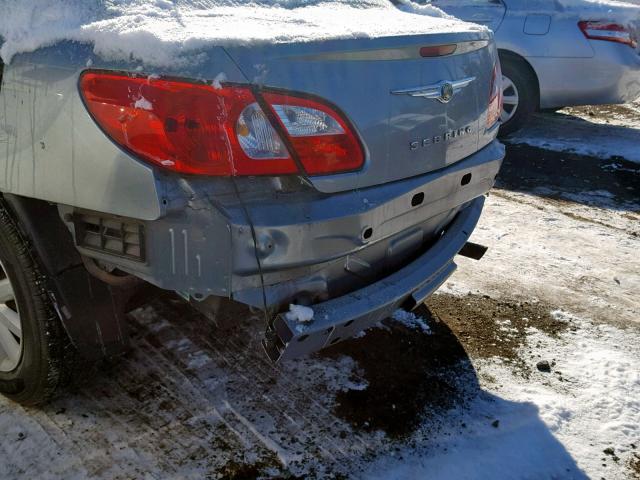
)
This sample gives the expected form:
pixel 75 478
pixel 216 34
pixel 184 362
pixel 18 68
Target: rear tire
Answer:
pixel 36 354
pixel 520 93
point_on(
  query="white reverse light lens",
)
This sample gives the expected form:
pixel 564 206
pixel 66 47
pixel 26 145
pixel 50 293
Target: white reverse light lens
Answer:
pixel 257 137
pixel 305 122
pixel 609 34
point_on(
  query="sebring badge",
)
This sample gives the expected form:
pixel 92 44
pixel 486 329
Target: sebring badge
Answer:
pixel 446 137
pixel 442 91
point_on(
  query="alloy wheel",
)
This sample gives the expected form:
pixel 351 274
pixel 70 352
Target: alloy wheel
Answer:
pixel 510 99
pixel 10 325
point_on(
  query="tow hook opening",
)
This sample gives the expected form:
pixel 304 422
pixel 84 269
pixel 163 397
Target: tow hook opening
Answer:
pixel 473 250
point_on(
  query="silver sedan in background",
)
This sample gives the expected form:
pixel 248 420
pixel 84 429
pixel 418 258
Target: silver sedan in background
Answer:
pixel 557 53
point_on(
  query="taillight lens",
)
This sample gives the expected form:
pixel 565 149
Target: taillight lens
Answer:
pixel 195 128
pixel 185 127
pixel 256 135
pixel 495 96
pixel 321 137
pixel 438 50
pixel 610 32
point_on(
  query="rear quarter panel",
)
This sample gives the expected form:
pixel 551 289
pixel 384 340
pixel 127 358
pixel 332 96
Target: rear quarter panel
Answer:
pixel 563 39
pixel 51 149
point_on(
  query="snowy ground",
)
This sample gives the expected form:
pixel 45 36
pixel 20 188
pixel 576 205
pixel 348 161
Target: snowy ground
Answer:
pixel 526 365
pixel 602 131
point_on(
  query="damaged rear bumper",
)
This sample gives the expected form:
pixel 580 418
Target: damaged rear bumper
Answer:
pixel 340 318
pixel 355 255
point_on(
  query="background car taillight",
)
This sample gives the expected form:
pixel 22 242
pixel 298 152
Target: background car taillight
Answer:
pixel 198 129
pixel 610 32
pixel 495 96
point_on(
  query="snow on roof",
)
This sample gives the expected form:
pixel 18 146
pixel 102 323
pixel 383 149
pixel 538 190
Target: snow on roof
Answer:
pixel 158 31
pixel 612 10
pixel 609 10
pixel 602 3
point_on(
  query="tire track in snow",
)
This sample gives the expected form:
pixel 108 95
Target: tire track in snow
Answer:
pixel 244 362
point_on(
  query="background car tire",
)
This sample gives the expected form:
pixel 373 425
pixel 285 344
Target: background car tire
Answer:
pixel 519 82
pixel 46 355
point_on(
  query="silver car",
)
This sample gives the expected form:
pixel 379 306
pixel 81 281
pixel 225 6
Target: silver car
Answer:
pixel 332 189
pixel 557 53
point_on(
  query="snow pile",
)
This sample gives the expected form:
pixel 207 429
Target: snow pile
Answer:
pixel 160 31
pixel 583 135
pixel 581 420
pixel 564 253
pixel 604 4
pixel 601 5
pixel 299 313
pixel 606 10
pixel 592 401
pixel 625 12
pixel 143 104
pixel 411 320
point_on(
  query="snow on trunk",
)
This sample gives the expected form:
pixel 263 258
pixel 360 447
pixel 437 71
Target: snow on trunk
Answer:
pixel 158 32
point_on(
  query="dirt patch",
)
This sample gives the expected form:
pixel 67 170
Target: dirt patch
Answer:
pixel 569 176
pixel 634 466
pixel 235 470
pixel 488 327
pixel 623 111
pixel 409 374
pixel 412 375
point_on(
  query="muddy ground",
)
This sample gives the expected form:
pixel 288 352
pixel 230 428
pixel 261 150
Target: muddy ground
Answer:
pixel 184 374
pixel 558 175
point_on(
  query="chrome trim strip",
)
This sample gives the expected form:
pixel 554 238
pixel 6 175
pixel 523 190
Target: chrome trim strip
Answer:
pixel 466 47
pixel 400 53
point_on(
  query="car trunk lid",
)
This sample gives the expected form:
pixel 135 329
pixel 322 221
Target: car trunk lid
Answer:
pixel 383 86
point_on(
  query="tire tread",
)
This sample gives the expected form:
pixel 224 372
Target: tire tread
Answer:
pixel 58 355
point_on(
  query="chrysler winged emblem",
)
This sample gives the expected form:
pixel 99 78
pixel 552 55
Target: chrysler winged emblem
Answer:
pixel 442 91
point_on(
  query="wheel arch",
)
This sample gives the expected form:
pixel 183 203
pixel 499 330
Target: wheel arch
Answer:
pixel 505 54
pixel 91 312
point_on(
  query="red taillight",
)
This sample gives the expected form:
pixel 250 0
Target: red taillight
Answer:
pixel 321 137
pixel 195 128
pixel 184 127
pixel 495 96
pixel 610 32
pixel 438 50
